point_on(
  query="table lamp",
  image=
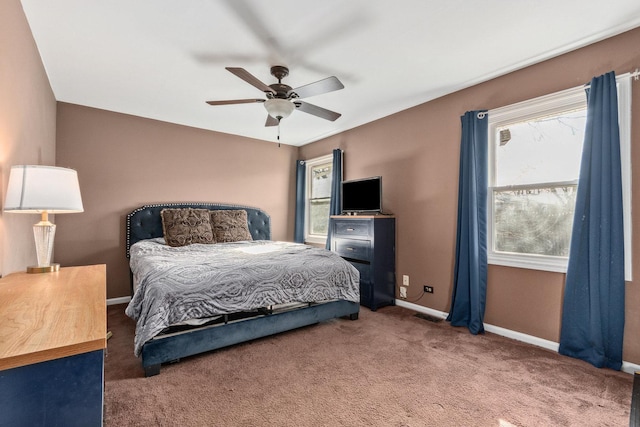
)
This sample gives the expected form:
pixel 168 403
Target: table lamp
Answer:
pixel 43 190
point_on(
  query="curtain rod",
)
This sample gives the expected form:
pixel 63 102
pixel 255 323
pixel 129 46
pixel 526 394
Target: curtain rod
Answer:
pixel 633 74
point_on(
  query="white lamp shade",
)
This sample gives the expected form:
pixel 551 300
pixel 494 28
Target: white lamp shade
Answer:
pixel 279 108
pixel 36 189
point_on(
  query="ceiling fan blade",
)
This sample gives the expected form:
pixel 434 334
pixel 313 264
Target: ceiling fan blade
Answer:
pixel 317 111
pixel 250 78
pixel 322 86
pixel 271 121
pixel 235 101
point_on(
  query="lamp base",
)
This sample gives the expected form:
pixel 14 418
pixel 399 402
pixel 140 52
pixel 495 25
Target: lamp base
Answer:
pixel 47 269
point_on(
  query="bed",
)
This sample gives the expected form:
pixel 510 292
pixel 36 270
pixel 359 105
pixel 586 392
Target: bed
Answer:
pixel 190 297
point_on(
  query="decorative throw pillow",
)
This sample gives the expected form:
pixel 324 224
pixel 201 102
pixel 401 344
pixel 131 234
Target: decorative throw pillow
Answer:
pixel 230 225
pixel 185 226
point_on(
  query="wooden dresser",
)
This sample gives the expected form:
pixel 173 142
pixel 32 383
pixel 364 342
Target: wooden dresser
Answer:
pixel 369 244
pixel 53 330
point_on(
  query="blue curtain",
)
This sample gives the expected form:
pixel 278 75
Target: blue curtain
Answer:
pixel 301 173
pixel 470 273
pixel 593 308
pixel 335 207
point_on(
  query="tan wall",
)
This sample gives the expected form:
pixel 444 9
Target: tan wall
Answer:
pixel 417 153
pixel 27 127
pixel 125 161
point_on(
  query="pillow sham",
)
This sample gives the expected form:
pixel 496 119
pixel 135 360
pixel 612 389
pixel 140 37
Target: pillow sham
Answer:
pixel 184 226
pixel 230 225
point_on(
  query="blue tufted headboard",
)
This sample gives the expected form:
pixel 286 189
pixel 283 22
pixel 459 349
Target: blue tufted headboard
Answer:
pixel 146 223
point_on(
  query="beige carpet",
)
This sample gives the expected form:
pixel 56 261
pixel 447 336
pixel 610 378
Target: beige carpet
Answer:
pixel 389 368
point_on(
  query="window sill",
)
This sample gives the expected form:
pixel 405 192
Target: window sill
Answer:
pixel 315 244
pixel 536 262
pixel 531 262
pixel 316 241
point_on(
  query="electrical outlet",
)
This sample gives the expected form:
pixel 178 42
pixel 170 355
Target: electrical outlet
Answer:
pixel 428 289
pixel 403 292
pixel 405 280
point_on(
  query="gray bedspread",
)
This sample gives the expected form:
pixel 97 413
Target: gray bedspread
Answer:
pixel 176 284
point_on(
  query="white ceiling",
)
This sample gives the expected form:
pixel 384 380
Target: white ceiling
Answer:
pixel 162 59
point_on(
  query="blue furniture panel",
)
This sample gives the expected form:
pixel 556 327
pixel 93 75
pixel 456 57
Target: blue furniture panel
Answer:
pixel 63 392
pixel 158 351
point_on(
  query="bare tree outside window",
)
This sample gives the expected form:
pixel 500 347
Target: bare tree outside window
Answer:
pixel 535 149
pixel 537 166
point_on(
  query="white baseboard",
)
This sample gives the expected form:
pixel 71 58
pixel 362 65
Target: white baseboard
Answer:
pixel 519 336
pixel 627 367
pixel 116 301
pixel 421 309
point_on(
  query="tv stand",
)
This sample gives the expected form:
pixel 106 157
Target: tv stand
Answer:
pixel 368 242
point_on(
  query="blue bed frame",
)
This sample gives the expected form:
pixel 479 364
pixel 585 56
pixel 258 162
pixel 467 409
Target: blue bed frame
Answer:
pixel 145 223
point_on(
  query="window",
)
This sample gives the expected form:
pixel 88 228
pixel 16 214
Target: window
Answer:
pixel 535 148
pixel 318 198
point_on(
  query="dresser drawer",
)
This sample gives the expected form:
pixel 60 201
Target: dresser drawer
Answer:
pixel 353 248
pixel 352 227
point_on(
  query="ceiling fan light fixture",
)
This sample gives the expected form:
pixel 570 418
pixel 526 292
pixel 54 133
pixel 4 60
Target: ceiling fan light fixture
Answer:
pixel 279 108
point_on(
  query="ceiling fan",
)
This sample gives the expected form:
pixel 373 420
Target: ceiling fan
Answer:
pixel 282 99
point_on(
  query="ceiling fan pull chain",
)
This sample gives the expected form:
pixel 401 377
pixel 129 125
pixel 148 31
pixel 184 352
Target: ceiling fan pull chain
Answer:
pixel 278 133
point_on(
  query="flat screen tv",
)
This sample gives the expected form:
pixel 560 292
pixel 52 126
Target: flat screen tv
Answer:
pixel 362 195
